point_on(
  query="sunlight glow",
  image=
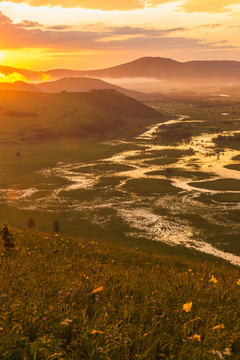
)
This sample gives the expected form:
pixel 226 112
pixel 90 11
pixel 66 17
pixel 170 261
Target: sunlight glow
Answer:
pixel 12 78
pixel 2 56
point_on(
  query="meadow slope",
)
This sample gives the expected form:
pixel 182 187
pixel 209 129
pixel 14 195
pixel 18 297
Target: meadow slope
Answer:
pixel 66 298
pixel 39 116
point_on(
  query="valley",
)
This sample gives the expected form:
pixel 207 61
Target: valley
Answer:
pixel 146 190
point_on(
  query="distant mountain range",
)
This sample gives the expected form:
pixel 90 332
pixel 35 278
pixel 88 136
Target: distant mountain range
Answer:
pixel 164 69
pixel 199 72
pixel 70 85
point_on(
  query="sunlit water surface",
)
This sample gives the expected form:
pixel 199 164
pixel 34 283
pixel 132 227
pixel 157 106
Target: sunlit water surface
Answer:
pixel 159 217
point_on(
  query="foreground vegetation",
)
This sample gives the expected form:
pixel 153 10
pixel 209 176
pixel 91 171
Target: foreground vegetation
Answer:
pixel 65 298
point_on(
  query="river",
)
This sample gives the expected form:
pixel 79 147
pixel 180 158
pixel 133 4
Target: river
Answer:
pixel 166 217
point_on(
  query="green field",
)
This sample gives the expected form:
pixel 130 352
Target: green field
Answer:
pixel 222 184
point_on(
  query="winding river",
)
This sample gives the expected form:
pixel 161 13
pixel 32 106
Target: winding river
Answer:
pixel 158 217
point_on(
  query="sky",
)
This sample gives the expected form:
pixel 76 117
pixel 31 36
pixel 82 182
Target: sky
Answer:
pixel 94 34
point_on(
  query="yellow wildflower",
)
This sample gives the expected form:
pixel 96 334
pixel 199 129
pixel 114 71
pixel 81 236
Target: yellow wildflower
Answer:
pixel 238 282
pixel 187 307
pixel 97 332
pixel 220 326
pixel 213 280
pixel 97 290
pixel 196 337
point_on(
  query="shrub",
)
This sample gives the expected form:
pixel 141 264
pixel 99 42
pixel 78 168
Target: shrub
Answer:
pixel 31 223
pixel 7 237
pixel 56 226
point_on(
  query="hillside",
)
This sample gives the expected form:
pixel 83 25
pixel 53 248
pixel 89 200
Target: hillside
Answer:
pixel 18 86
pixel 82 85
pixel 65 298
pixel 29 115
pixel 70 85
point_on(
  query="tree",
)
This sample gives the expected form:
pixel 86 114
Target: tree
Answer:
pixel 31 223
pixel 56 226
pixel 7 238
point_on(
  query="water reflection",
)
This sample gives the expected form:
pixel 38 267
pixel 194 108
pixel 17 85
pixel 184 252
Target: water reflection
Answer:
pixel 154 216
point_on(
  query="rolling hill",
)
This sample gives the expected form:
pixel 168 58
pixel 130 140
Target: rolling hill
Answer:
pixel 31 115
pixel 81 85
pixel 70 85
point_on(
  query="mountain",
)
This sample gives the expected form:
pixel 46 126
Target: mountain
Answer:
pixel 41 116
pixel 144 67
pixel 70 85
pixel 165 69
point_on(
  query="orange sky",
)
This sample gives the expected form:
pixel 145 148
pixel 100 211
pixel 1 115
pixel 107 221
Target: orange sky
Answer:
pixel 87 34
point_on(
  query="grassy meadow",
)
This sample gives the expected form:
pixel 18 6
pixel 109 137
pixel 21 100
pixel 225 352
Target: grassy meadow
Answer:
pixel 62 297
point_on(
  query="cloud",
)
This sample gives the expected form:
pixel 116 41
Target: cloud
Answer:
pixel 129 30
pixel 167 43
pixel 4 19
pixel 122 5
pixel 28 24
pixel 210 6
pixel 59 27
pixel 27 34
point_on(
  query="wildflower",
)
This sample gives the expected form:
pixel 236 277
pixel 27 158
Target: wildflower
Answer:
pixel 219 355
pixel 66 322
pixel 220 326
pixel 238 282
pixel 227 352
pixel 213 280
pixel 97 290
pixel 196 337
pixel 187 307
pixel 97 332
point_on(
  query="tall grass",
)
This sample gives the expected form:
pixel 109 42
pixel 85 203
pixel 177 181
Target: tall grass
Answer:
pixel 64 298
